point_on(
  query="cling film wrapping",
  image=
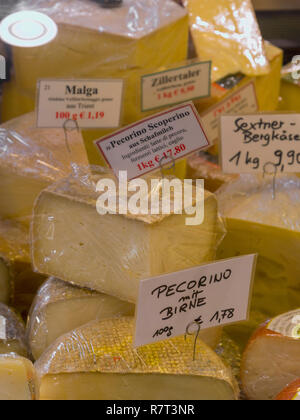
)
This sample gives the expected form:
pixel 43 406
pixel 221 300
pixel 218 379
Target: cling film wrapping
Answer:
pixel 259 221
pixel 12 332
pixel 60 307
pixel 226 32
pixel 31 159
pixel 138 246
pixel 290 88
pixel 101 352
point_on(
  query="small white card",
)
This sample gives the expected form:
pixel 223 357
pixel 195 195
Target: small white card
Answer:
pixel 175 86
pixel 92 103
pixel 2 328
pixel 242 101
pixel 256 143
pixel 153 142
pixel 209 295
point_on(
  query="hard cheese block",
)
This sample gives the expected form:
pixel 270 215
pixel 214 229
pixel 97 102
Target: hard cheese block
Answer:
pixel 97 42
pixel 31 159
pixel 272 359
pixel 98 362
pixel 12 332
pixel 258 224
pixel 18 282
pixel 227 33
pixel 17 379
pixel 112 253
pixel 290 393
pixel 60 307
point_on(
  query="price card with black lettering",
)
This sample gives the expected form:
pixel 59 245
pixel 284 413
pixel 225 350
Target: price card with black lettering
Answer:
pixel 160 139
pixel 251 142
pixel 92 103
pixel 209 295
pixel 175 85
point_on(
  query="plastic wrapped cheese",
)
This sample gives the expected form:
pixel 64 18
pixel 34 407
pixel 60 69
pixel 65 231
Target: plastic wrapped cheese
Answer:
pixel 114 43
pixel 227 33
pixel 12 332
pixel 17 379
pixel 111 253
pixel 290 88
pixel 98 362
pixel 31 159
pixel 60 307
pixel 272 358
pixel 18 282
pixel 258 223
pixel 290 393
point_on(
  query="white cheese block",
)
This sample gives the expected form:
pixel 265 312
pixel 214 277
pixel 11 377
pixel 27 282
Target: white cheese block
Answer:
pixel 17 379
pixel 112 253
pixel 30 160
pixel 272 359
pixel 60 307
pixel 98 362
pixel 12 332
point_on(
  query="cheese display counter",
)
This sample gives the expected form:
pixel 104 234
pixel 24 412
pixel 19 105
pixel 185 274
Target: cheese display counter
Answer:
pixel 116 217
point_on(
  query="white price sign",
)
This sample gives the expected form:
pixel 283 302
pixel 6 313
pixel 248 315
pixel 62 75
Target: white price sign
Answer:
pixel 251 143
pixel 92 103
pixel 175 86
pixel 209 295
pixel 242 101
pixel 143 147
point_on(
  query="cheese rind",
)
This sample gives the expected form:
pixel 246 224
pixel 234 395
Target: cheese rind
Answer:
pixel 30 160
pixel 258 224
pixel 17 379
pixel 12 332
pixel 60 307
pixel 271 361
pixel 98 361
pixel 227 33
pixel 290 393
pixel 112 253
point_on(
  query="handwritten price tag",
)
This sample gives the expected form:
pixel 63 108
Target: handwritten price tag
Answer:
pixel 175 86
pixel 211 295
pixel 250 142
pixel 91 103
pixel 141 147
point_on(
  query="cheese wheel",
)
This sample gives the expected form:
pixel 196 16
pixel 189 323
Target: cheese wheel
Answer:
pixel 98 362
pixel 272 358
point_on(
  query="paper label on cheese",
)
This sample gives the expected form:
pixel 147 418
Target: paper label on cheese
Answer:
pixel 261 143
pixel 242 101
pixel 159 140
pixel 2 328
pixel 92 103
pixel 287 324
pixel 206 296
pixel 175 86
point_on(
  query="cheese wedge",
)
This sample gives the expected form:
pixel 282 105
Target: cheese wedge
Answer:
pixel 31 159
pixel 290 393
pixel 258 224
pixel 18 282
pixel 12 332
pixel 112 253
pixel 60 307
pixel 272 358
pixel 98 362
pixel 227 33
pixel 290 88
pixel 17 379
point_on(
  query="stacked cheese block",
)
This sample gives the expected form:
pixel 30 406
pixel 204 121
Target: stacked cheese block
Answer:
pixel 258 222
pixel 17 374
